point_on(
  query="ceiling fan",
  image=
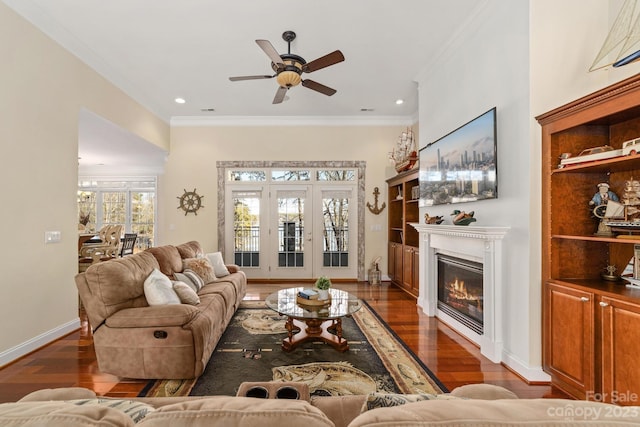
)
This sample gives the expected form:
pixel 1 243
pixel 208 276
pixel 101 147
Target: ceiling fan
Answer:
pixel 289 68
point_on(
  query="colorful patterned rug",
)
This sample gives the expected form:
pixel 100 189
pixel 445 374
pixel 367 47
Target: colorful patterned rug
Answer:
pixel 249 350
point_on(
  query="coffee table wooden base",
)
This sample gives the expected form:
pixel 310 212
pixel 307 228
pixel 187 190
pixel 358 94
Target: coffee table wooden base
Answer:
pixel 329 331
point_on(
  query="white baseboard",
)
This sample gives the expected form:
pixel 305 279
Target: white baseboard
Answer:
pixel 35 343
pixel 532 374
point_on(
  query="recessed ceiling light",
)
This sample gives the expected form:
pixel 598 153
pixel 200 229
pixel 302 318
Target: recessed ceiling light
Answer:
pixel 207 109
pixel 366 109
pixel 399 101
pixel 180 100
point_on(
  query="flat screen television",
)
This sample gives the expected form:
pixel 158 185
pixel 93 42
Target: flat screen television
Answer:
pixel 461 166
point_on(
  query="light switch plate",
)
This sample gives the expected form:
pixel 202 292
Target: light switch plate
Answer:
pixel 52 236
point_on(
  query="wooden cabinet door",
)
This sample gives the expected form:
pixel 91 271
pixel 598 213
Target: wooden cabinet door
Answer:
pixel 391 261
pixel 407 268
pixel 620 351
pixel 569 339
pixel 397 254
pixel 416 271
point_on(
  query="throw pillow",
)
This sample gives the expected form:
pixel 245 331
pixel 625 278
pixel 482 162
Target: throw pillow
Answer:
pixel 133 409
pixel 384 400
pixel 202 267
pixel 215 259
pixel 185 293
pixel 181 277
pixel 158 289
pixel 197 280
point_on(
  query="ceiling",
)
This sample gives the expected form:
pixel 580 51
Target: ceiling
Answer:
pixel 157 50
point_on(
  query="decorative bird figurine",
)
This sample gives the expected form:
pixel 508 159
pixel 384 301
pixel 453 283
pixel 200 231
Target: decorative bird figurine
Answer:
pixel 432 219
pixel 462 218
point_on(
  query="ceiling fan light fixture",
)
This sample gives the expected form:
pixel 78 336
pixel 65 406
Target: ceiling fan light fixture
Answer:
pixel 288 78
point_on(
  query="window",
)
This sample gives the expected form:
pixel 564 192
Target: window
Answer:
pixel 129 202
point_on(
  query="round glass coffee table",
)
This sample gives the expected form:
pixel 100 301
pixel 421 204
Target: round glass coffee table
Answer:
pixel 313 322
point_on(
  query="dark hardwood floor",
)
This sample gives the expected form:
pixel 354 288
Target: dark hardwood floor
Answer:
pixel 70 361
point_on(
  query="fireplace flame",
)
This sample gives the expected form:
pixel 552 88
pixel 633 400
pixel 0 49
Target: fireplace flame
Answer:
pixel 458 295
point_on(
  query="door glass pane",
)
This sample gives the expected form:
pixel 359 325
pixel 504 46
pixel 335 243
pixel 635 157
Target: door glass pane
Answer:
pixel 336 175
pixel 290 175
pixel 142 217
pixel 335 232
pixel 114 208
pixel 290 231
pixel 246 229
pixel 249 176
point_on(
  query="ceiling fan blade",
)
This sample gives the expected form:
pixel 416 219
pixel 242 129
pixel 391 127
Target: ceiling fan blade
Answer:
pixel 236 79
pixel 310 84
pixel 280 94
pixel 324 61
pixel 271 52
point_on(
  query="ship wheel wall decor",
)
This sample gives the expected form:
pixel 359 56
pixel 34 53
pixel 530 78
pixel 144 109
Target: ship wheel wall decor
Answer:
pixel 190 202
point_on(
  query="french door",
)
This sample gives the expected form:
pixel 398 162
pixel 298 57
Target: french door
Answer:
pixel 292 230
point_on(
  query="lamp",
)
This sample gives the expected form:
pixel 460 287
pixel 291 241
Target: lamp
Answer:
pixel 288 78
pixel 289 71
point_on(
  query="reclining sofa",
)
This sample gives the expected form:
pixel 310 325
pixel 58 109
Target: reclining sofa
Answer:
pixel 134 339
pixel 471 406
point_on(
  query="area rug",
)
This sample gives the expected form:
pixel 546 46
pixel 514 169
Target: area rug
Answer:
pixel 250 350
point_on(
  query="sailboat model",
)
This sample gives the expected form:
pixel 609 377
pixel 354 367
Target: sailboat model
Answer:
pixel 622 39
pixel 624 217
pixel 404 154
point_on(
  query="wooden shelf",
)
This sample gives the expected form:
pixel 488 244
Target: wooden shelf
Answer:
pixel 597 239
pixel 577 302
pixel 403 256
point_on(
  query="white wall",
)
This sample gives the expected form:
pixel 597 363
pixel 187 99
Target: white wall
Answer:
pixel 487 66
pixel 43 90
pixel 195 150
pixel 525 58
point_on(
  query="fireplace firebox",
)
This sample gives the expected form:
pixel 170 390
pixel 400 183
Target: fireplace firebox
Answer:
pixel 460 291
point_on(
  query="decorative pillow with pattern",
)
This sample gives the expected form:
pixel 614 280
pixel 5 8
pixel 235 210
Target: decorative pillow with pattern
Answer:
pixel 158 289
pixel 185 293
pixel 202 267
pixel 181 277
pixel 135 410
pixel 384 400
pixel 194 278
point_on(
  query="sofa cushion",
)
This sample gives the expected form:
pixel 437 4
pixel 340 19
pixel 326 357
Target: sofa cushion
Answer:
pixel 186 294
pixel 503 412
pixel 158 289
pixel 107 287
pixel 215 258
pixel 483 391
pixel 202 267
pixel 153 317
pixel 64 393
pixel 225 411
pixel 168 258
pixel 61 414
pixel 190 249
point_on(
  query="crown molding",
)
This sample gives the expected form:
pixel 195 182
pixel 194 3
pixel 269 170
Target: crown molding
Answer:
pixel 179 121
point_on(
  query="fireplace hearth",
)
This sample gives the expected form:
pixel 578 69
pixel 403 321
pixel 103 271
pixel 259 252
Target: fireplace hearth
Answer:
pixel 460 291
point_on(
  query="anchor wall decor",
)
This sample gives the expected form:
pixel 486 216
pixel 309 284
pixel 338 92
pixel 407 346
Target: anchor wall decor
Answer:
pixel 375 209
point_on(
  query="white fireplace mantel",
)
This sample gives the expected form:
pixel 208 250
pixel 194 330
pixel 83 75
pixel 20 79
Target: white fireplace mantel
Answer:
pixel 475 243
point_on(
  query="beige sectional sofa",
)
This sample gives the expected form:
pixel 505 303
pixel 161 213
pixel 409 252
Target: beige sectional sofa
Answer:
pixel 472 405
pixel 172 341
